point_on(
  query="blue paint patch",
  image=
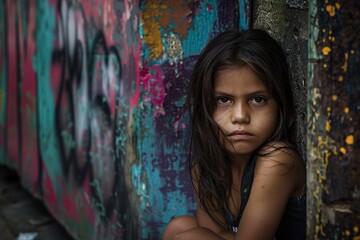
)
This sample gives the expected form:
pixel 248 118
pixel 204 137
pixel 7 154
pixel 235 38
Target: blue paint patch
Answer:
pixel 199 34
pixel 244 12
pixel 45 24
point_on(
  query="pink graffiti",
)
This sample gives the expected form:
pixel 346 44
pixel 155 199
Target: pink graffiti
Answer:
pixel 152 83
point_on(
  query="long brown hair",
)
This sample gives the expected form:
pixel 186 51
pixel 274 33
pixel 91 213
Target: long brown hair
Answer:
pixel 260 51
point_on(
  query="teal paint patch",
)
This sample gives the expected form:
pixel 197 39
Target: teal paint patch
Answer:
pixel 45 24
pixel 244 13
pixel 3 82
pixel 157 205
pixel 199 34
pixel 145 178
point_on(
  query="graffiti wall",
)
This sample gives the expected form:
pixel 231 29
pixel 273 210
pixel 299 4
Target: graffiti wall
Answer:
pixel 92 99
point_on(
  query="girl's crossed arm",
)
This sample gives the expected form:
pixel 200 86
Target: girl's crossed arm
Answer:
pixel 278 176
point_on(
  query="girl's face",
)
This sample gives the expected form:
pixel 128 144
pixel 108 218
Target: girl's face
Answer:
pixel 245 110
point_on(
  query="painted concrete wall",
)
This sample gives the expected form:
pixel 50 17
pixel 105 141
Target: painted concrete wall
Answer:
pixel 333 120
pixel 91 100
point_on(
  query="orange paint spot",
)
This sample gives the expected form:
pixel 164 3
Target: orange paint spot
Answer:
pixel 342 150
pixel 334 97
pixel 331 10
pixel 356 229
pixel 346 110
pixel 337 5
pixel 347 233
pixel 349 140
pixel 326 50
pixel 340 78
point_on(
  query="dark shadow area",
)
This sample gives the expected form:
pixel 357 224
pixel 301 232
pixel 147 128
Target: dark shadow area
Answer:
pixel 23 215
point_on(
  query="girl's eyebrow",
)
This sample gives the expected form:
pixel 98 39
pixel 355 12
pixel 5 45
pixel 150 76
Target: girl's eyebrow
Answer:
pixel 258 92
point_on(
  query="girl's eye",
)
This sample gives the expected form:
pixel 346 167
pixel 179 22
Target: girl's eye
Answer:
pixel 222 100
pixel 258 100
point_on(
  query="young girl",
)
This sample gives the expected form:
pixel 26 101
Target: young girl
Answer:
pixel 248 178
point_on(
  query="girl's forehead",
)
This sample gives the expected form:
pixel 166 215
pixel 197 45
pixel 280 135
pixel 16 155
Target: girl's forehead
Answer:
pixel 243 77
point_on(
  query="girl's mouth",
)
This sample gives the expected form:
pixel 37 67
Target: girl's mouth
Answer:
pixel 240 135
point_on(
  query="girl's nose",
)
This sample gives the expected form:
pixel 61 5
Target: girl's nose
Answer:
pixel 240 113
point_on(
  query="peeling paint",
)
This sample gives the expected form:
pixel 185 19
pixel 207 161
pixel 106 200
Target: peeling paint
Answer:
pixel 97 95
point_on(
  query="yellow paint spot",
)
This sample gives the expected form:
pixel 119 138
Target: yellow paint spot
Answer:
pixel 340 78
pixel 347 233
pixel 346 110
pixel 332 38
pixel 342 150
pixel 326 50
pixel 352 51
pixel 334 97
pixel 344 66
pixel 328 109
pixel 349 140
pixel 319 138
pixel 337 5
pixel 325 65
pixel 356 229
pixel 331 10
pixel 327 126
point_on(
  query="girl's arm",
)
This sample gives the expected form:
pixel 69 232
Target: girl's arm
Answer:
pixel 206 228
pixel 278 175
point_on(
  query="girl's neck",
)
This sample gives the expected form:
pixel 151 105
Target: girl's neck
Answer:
pixel 238 162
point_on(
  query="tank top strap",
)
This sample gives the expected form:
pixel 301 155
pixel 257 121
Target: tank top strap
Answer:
pixel 245 188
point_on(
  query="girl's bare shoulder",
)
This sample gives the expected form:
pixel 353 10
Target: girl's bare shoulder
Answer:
pixel 278 158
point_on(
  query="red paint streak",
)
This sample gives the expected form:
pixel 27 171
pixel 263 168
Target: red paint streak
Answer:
pixel 152 81
pixel 29 129
pixel 12 102
pixel 49 192
pixel 69 201
pixel 136 94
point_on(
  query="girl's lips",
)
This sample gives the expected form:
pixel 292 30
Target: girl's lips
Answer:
pixel 240 135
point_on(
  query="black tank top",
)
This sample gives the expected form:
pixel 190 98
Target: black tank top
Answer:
pixel 293 223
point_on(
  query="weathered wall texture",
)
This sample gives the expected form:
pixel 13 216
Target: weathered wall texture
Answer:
pixel 334 120
pixel 91 100
pixel 287 21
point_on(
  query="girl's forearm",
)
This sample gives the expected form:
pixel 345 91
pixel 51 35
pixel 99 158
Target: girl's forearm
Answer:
pixel 227 235
pixel 200 233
